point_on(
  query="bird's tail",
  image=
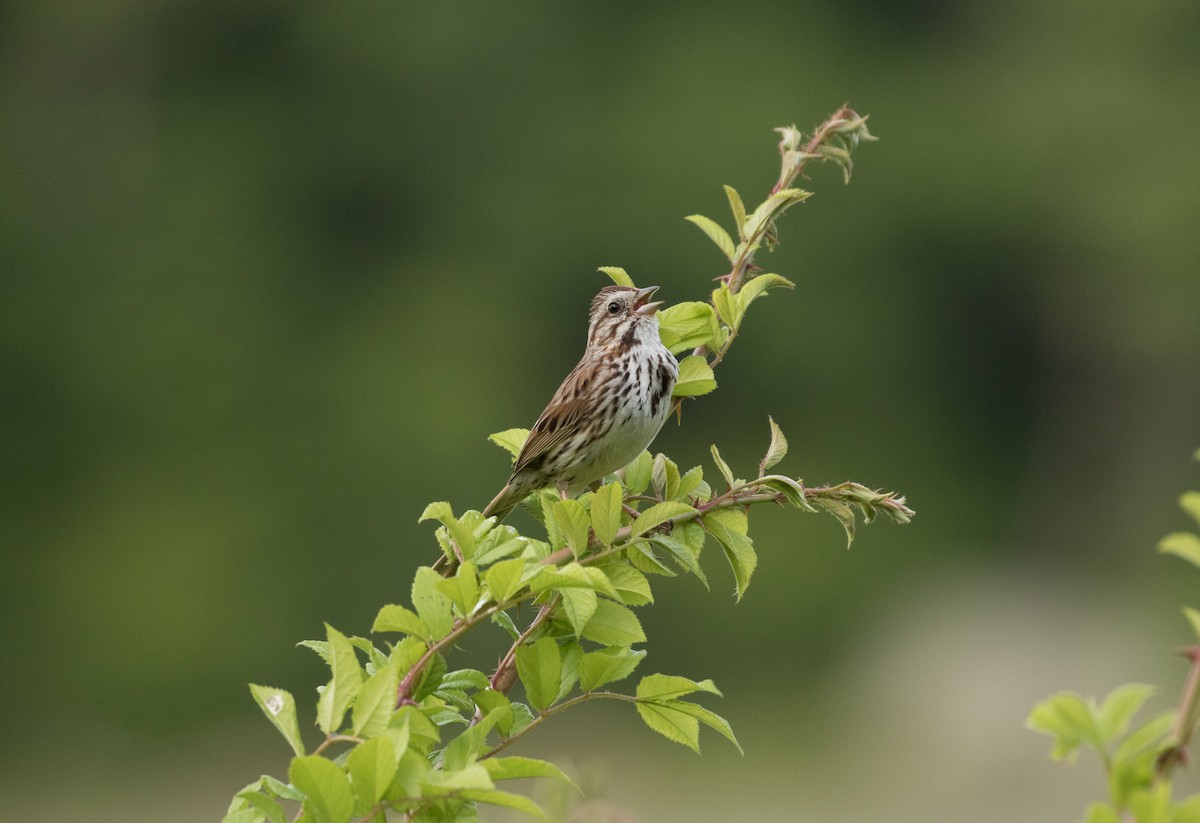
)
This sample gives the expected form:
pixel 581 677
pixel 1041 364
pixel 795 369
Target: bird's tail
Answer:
pixel 505 501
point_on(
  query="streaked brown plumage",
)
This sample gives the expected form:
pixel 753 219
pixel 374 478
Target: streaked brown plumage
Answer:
pixel 607 410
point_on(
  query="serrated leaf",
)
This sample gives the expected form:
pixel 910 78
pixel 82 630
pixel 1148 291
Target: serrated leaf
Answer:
pixel 265 807
pixel 326 789
pixel 578 606
pixel 1119 706
pixel 642 558
pixel 689 482
pixel 686 326
pixel 770 209
pixel 739 549
pixel 672 687
pixel 463 588
pixel 431 603
pixel 722 466
pixel 508 800
pixel 695 377
pixel 280 708
pixel 344 687
pixel 572 575
pixel 474 777
pixel 371 765
pixel 671 723
pixel 727 307
pixel 715 233
pixel 636 476
pixel 776 451
pixel 606 512
pixel 515 768
pixel 738 208
pixel 489 702
pixel 791 489
pixel 463 537
pixel 710 719
pixel 504 578
pixel 759 285
pixel 618 275
pixel 658 514
pixel 685 554
pixel 842 511
pixel 465 749
pixel 571 653
pixel 540 668
pixel 1070 719
pixel 614 625
pixel 1182 544
pixel 394 618
pixel 607 665
pixel 511 440
pixel 631 586
pixel 1147 737
pixel 375 702
pixel 573 522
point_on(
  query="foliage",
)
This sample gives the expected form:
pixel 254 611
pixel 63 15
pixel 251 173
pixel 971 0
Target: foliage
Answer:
pixel 1138 761
pixel 415 737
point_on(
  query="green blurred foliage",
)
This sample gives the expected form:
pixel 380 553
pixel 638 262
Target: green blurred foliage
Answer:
pixel 270 273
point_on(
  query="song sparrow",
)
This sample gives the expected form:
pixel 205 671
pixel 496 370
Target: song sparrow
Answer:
pixel 609 407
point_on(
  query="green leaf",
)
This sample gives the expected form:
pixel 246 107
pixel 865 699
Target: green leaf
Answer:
pixel 684 553
pixel 695 377
pixel 672 687
pixel 462 536
pixel 758 286
pixel 462 589
pixel 1182 544
pixel 722 466
pixel 1119 708
pixel 578 606
pixel 372 765
pixel 685 326
pixel 636 476
pixel 710 719
pixel 431 603
pixel 739 549
pixel 770 210
pixel 573 522
pixel 514 768
pixel 776 451
pixel 791 489
pixel 614 625
pixel 689 482
pixel 489 702
pixel 727 307
pixel 466 748
pixel 1146 738
pixel 842 511
pixel 715 233
pixel 326 790
pixel 571 653
pixel 495 797
pixel 376 701
pixel 643 558
pixel 606 512
pixel 393 618
pixel 658 514
pixel 631 586
pixel 345 685
pixel 540 668
pixel 280 708
pixel 738 208
pixel 1152 805
pixel 264 805
pixel 671 723
pixel 618 275
pixel 1193 617
pixel 511 440
pixel 607 665
pixel 1071 720
pixel 474 777
pixel 572 575
pixel 504 578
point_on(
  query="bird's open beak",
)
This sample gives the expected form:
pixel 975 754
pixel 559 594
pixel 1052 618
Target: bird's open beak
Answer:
pixel 641 306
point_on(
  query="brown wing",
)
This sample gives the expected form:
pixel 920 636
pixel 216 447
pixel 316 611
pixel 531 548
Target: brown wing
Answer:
pixel 561 419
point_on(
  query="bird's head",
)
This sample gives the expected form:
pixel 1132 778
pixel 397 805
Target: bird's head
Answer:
pixel 623 313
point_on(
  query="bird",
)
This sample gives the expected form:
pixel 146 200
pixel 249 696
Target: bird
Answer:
pixel 607 410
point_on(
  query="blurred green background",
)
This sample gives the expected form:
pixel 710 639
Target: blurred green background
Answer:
pixel 272 272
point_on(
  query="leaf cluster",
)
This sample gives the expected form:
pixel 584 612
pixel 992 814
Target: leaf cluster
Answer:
pixel 1138 760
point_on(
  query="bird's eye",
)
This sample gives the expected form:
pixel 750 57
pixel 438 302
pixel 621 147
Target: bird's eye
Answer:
pixel 614 307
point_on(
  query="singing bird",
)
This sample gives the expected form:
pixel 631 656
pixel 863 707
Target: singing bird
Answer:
pixel 607 410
